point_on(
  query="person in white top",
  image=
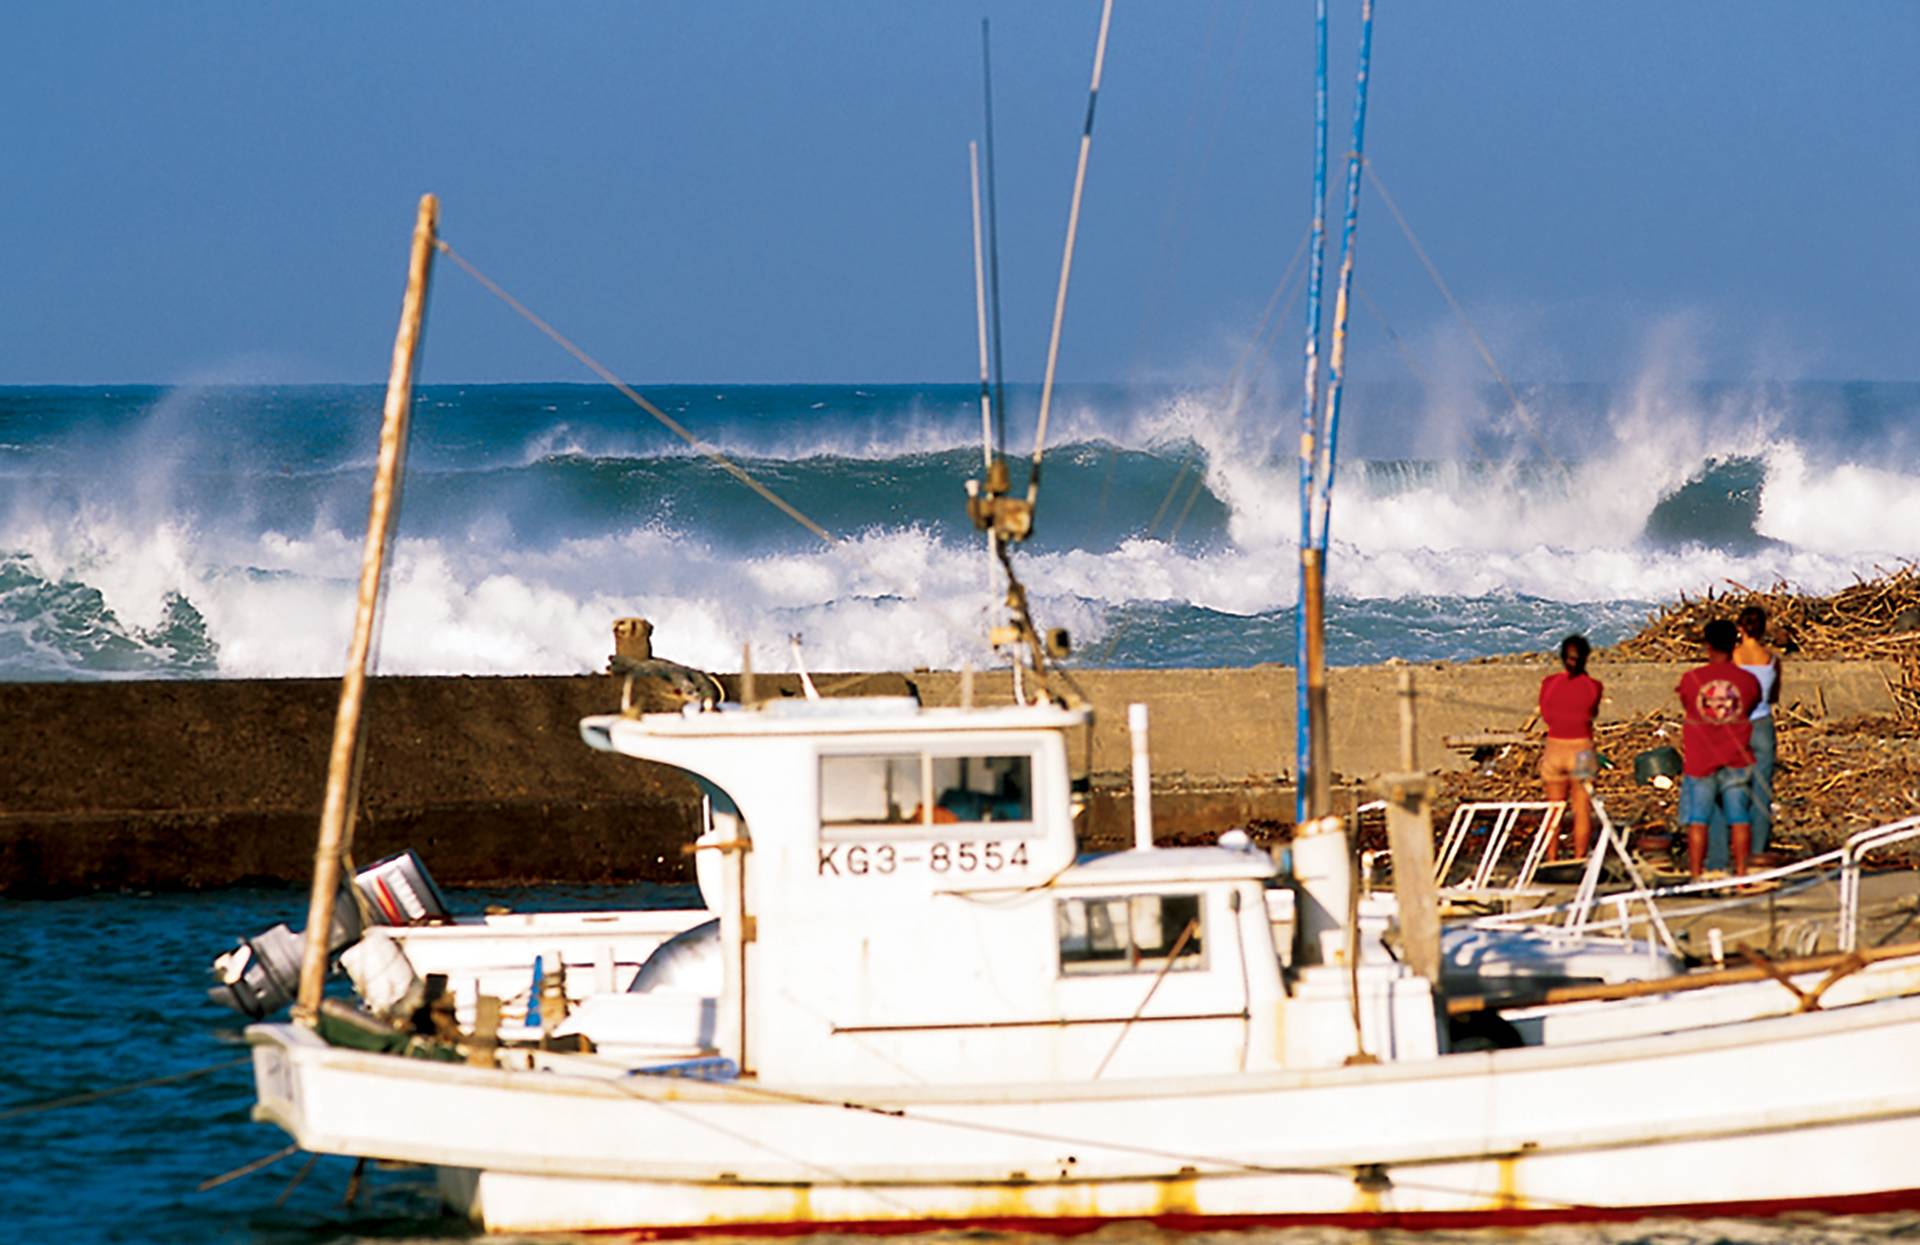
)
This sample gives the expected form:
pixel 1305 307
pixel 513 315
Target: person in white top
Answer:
pixel 1752 655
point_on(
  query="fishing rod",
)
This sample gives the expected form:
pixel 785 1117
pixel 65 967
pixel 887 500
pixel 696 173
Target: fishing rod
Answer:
pixel 1317 457
pixel 1337 358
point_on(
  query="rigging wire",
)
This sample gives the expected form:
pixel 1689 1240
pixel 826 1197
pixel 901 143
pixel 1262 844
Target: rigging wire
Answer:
pixel 688 1117
pixel 1243 378
pixel 1406 355
pixel 1236 390
pixel 627 391
pixel 76 1100
pixel 1480 344
pixel 1066 255
pixel 1224 1166
pixel 246 1169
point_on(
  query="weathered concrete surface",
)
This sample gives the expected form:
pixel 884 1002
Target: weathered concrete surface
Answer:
pixel 1238 724
pixel 169 785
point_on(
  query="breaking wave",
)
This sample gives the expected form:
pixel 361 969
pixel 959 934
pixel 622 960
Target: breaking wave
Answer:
pixel 217 531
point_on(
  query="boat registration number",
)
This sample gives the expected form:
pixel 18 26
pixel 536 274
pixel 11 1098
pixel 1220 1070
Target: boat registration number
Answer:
pixel 963 856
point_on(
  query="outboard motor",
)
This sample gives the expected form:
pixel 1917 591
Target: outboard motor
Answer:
pixel 262 974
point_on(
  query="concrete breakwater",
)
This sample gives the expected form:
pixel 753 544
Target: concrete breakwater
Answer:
pixel 193 784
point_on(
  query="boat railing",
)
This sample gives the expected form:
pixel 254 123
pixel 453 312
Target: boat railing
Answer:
pixel 1852 858
pixel 1846 863
pixel 1500 820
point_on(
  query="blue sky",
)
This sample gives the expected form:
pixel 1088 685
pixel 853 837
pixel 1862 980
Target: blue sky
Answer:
pixel 767 192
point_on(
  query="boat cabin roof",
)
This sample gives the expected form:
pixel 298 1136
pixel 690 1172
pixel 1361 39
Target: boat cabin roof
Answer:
pixel 1168 866
pixel 849 715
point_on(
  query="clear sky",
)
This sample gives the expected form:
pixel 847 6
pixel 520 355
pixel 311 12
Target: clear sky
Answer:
pixel 768 192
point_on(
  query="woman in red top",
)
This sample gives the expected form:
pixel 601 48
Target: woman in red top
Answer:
pixel 1568 702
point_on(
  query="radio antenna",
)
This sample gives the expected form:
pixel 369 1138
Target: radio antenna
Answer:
pixel 993 249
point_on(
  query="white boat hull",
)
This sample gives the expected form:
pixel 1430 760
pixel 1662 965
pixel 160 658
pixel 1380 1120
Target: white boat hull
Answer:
pixel 1524 1135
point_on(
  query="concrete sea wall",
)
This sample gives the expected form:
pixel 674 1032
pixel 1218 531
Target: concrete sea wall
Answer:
pixel 185 785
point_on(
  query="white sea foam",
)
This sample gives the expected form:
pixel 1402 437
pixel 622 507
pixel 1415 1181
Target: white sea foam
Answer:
pixel 1849 508
pixel 487 600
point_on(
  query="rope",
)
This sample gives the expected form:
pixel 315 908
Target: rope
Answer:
pixel 1235 390
pixel 667 421
pixel 1342 1172
pixel 1406 356
pixel 1480 344
pixel 75 1100
pixel 247 1169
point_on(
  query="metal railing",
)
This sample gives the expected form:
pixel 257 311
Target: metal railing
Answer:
pixel 1846 862
pixel 1506 820
pixel 1852 854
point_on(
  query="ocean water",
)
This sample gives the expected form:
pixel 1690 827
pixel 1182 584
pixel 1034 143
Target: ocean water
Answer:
pixel 107 990
pixel 216 531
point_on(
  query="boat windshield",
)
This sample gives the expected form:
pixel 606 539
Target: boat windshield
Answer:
pixel 908 789
pixel 1129 934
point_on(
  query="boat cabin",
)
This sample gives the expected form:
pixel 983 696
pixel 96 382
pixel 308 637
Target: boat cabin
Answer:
pixel 899 897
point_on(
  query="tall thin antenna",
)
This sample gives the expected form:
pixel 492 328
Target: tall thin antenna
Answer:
pixel 993 251
pixel 1066 255
pixel 980 309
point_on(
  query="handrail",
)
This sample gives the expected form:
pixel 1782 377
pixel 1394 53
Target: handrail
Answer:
pixel 1574 917
pixel 1506 818
pixel 1847 862
pixel 1852 854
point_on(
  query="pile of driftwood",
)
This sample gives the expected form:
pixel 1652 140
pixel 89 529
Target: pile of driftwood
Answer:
pixel 1876 619
pixel 1832 777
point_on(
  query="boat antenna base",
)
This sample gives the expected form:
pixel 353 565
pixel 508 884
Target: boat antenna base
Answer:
pixel 1010 519
pixel 1030 646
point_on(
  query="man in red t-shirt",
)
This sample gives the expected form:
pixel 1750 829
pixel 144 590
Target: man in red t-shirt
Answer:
pixel 1717 698
pixel 1568 702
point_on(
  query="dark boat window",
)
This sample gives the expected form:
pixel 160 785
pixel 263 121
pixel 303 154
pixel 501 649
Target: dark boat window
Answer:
pixel 1129 934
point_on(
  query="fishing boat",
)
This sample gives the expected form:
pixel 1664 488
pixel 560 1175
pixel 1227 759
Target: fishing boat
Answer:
pixel 899 1020
pixel 912 1003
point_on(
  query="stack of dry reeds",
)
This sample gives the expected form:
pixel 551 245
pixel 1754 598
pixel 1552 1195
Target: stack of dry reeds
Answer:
pixel 1876 618
pixel 1831 778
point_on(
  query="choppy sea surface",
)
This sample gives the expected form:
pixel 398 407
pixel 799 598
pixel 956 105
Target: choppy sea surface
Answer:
pixel 216 530
pixel 108 990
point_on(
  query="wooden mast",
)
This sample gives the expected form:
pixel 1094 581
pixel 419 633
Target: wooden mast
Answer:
pixel 335 815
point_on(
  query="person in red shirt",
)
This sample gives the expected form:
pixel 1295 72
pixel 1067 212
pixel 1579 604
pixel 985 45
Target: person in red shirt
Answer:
pixel 1717 699
pixel 1568 702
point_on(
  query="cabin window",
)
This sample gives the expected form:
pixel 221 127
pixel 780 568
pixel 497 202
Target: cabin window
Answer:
pixel 1129 934
pixel 924 790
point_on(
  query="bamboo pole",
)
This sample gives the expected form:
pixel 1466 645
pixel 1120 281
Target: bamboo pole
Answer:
pixel 334 828
pixel 1318 778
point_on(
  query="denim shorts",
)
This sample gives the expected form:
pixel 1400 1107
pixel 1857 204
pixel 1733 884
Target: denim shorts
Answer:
pixel 1726 787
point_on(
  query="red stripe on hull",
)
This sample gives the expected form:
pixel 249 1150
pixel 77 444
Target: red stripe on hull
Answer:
pixel 1413 1221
